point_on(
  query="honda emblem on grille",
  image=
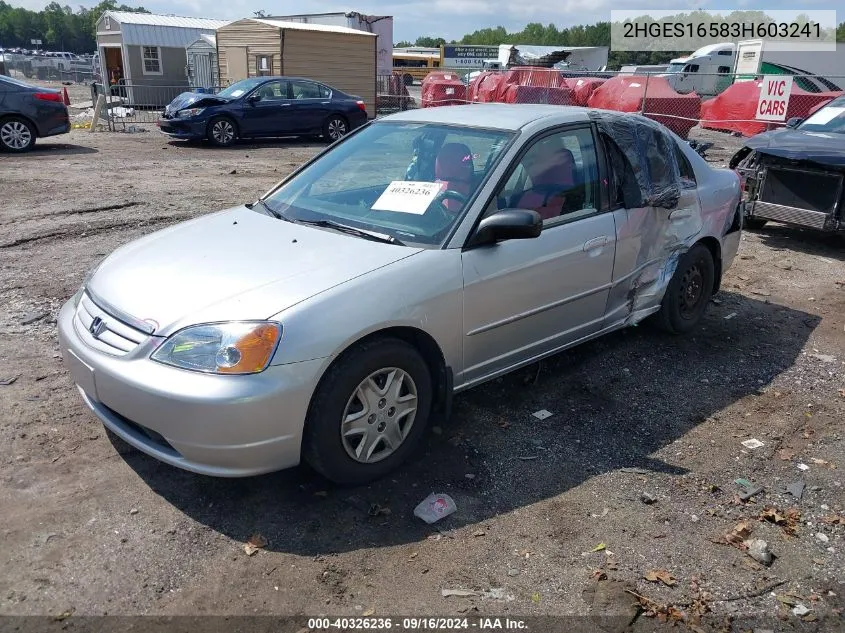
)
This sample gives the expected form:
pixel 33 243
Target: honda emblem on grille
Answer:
pixel 97 327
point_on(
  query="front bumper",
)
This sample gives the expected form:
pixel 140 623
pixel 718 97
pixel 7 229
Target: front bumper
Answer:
pixel 225 426
pixel 182 128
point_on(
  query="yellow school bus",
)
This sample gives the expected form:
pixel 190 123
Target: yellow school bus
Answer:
pixel 415 63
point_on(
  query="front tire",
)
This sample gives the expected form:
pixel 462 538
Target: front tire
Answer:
pixel 222 131
pixel 16 135
pixel 335 128
pixel 369 412
pixel 688 292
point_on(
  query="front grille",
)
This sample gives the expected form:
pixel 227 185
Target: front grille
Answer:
pixel 115 338
pixel 802 189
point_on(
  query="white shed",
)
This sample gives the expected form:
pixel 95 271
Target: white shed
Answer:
pixel 202 62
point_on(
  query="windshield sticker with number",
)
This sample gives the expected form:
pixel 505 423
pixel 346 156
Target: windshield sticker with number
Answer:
pixel 407 196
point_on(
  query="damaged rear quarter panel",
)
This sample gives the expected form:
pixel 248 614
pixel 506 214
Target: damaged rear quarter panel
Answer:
pixel 651 241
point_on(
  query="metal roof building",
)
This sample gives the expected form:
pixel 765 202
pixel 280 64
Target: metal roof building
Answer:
pixel 150 29
pixel 146 52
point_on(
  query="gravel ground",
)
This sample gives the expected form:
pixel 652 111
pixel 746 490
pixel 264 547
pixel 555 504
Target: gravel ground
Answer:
pixel 551 518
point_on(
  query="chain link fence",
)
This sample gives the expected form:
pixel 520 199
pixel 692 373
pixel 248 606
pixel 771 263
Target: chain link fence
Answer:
pixel 681 101
pixel 25 67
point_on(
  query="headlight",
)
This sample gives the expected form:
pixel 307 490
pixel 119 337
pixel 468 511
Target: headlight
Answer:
pixel 188 112
pixel 239 347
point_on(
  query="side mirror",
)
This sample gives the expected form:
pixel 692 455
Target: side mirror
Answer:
pixel 794 121
pixel 253 98
pixel 508 224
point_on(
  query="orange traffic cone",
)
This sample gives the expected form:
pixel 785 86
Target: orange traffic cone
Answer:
pixel 65 97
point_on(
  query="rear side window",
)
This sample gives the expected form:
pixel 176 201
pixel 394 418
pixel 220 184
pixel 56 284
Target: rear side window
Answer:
pixel 685 167
pixel 622 185
pixel 305 89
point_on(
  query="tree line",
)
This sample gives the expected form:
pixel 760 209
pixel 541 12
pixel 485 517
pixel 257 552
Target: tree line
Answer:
pixel 63 28
pixel 549 35
pixel 58 27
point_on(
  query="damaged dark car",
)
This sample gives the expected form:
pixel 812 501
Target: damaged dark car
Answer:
pixel 263 107
pixel 795 175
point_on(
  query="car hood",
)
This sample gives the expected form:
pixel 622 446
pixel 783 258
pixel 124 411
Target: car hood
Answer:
pixel 231 265
pixel 826 148
pixel 194 99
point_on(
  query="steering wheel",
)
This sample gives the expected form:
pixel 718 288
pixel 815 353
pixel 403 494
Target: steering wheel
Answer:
pixel 444 195
pixel 441 216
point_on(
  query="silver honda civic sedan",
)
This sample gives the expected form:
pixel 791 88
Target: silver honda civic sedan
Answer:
pixel 426 253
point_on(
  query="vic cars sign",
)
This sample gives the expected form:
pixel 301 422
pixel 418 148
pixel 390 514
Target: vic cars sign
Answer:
pixel 468 56
pixel 774 98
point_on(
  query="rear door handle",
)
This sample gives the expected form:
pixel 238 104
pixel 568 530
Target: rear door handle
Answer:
pixel 596 242
pixel 680 214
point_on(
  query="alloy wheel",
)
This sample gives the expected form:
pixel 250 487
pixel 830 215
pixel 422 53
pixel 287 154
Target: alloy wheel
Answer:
pixel 223 132
pixel 15 135
pixel 337 129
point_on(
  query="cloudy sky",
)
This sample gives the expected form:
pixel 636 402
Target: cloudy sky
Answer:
pixel 446 18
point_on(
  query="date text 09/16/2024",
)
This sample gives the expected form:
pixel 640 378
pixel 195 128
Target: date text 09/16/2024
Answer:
pixel 416 624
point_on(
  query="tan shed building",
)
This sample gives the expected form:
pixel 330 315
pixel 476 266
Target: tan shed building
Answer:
pixel 340 57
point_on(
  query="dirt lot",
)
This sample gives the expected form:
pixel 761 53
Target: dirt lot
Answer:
pixel 547 509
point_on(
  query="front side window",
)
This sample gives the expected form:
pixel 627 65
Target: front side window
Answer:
pixel 691 68
pixel 557 177
pixel 273 91
pixel 151 59
pixel 413 181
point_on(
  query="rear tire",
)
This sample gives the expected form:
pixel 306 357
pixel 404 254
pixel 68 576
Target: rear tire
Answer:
pixel 688 292
pixel 16 135
pixel 335 128
pixel 222 131
pixel 356 433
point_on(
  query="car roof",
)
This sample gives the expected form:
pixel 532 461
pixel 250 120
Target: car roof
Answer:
pixel 503 116
pixel 278 77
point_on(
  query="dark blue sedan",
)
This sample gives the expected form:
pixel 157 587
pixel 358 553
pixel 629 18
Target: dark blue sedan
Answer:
pixel 263 107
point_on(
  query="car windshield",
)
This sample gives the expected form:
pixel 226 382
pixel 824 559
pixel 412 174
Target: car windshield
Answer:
pixel 675 68
pixel 830 118
pixel 411 181
pixel 240 88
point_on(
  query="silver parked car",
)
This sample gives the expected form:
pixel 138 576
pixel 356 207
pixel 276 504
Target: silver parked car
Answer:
pixel 426 253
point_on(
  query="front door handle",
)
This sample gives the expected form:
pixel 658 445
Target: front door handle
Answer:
pixel 596 242
pixel 680 214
